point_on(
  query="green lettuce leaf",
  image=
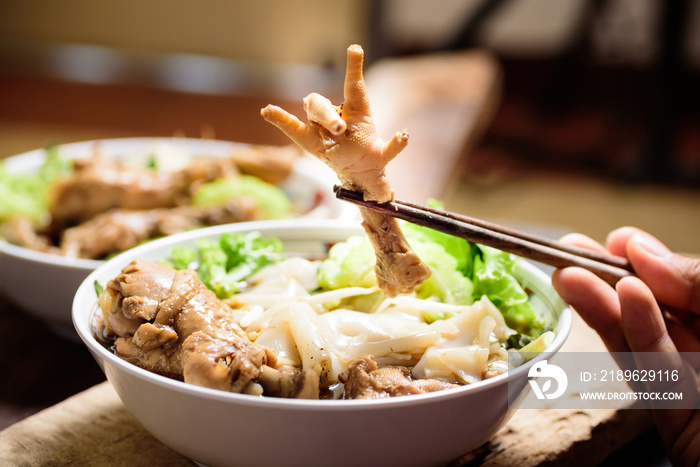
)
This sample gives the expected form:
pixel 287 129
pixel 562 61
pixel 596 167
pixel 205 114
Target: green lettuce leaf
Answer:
pixel 273 202
pixel 493 277
pixel 25 194
pixel 182 257
pixel 224 264
pixel 446 283
pixel 349 264
pixel 459 248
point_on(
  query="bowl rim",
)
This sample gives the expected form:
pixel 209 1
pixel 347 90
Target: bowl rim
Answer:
pixel 33 158
pixel 564 323
pixel 27 254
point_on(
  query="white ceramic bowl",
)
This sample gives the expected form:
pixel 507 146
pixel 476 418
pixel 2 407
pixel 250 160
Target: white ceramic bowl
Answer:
pixel 218 428
pixel 44 284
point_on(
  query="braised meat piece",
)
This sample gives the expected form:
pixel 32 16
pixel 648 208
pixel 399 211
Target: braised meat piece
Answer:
pixel 98 184
pixel 21 231
pixel 142 287
pixel 289 382
pixel 121 229
pixel 364 380
pixel 346 139
pixel 167 321
pixel 271 164
pixel 106 205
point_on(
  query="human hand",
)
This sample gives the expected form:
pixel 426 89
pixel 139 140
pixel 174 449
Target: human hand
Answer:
pixel 656 313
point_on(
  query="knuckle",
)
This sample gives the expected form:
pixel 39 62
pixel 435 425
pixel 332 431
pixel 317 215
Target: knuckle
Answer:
pixel 690 273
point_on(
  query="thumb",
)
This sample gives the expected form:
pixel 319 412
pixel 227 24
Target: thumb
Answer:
pixel 674 279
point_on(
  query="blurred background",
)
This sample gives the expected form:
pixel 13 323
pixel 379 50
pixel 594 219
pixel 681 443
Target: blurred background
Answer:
pixel 597 122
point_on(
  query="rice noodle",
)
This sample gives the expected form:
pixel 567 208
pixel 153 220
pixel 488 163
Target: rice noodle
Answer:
pixel 340 294
pixel 306 331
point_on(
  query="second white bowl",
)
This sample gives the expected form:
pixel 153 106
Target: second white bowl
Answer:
pixel 44 285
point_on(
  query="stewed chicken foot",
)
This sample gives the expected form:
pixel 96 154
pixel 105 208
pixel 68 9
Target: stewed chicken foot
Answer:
pixel 345 138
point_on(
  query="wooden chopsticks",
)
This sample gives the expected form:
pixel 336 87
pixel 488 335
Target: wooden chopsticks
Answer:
pixel 544 250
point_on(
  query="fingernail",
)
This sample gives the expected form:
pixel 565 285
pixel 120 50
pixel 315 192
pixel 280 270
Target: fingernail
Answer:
pixel 651 245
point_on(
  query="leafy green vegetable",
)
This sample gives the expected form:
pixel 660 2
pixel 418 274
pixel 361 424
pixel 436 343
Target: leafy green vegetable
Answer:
pixel 492 277
pixel 517 341
pixel 54 166
pixel 273 202
pixel 152 162
pixel 461 273
pixel 459 248
pixel 446 283
pixel 25 194
pixel 98 288
pixel 212 269
pixel 349 264
pixel 450 261
pixel 182 257
pixel 224 264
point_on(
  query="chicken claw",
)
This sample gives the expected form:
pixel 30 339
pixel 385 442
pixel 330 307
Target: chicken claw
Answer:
pixel 345 138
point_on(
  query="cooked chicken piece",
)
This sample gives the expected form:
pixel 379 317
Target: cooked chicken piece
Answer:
pixel 21 231
pixel 119 325
pixel 363 380
pixel 359 157
pixel 107 233
pixel 105 205
pixel 162 360
pixel 189 316
pixel 98 184
pixel 184 331
pixel 138 291
pixel 121 229
pixel 289 382
pixel 271 164
pixel 221 362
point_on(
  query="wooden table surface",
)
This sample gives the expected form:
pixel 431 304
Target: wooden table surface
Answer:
pixel 56 408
